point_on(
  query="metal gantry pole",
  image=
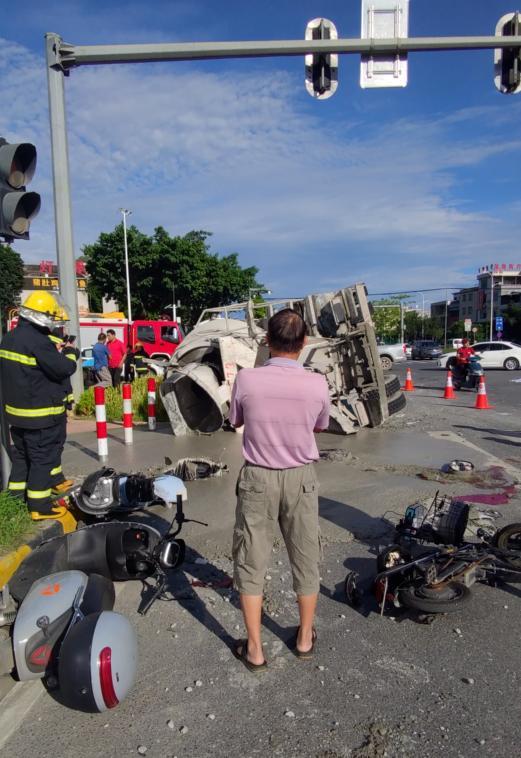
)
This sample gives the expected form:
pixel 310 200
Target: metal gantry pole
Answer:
pixel 62 194
pixel 91 55
pixel 446 315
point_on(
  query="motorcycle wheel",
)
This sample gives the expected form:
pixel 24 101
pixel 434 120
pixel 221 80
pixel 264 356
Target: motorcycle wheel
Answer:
pixel 509 538
pixel 352 592
pixel 454 596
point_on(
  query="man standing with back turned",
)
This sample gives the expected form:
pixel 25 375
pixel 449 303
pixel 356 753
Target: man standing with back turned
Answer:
pixel 281 405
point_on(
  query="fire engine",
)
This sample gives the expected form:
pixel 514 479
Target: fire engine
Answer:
pixel 159 338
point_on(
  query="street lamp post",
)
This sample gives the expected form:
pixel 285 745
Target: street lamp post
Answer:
pixel 125 213
pixel 423 314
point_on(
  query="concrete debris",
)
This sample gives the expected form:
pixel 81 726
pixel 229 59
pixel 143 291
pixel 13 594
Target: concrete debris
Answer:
pixel 142 750
pixel 170 724
pixel 198 683
pixel 183 730
pixel 337 455
pixel 196 391
pixel 211 716
pixel 289 714
pixel 467 680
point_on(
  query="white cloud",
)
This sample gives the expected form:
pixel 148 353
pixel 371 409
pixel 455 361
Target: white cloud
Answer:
pixel 187 148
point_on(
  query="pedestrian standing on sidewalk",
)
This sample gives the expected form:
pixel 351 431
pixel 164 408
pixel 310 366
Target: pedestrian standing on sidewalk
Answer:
pixel 117 356
pixel 281 405
pixel 101 356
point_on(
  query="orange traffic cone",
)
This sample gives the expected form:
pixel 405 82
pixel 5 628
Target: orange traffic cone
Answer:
pixel 449 389
pixel 409 386
pixel 482 399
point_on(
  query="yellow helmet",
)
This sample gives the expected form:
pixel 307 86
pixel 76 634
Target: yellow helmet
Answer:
pixel 44 308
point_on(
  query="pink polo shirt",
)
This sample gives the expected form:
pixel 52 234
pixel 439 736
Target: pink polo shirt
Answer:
pixel 279 404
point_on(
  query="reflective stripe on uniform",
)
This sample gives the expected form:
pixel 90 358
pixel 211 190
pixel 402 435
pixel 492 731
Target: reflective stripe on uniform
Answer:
pixel 26 360
pixel 70 398
pixel 71 356
pixel 34 412
pixel 16 486
pixel 56 340
pixel 38 494
pixel 56 470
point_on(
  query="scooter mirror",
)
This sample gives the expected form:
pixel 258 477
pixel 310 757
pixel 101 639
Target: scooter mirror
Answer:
pixel 172 554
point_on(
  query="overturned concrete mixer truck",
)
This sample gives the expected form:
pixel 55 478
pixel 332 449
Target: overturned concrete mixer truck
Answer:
pixel 341 345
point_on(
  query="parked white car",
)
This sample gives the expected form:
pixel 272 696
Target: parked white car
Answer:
pixel 389 354
pixel 505 355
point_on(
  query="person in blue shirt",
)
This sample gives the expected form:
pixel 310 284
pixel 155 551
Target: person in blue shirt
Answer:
pixel 101 355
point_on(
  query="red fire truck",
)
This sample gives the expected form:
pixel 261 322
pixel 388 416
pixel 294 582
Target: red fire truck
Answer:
pixel 159 338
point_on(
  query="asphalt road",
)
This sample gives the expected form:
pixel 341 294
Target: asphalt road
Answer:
pixel 497 430
pixel 377 686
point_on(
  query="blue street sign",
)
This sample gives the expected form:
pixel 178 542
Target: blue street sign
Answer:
pixel 499 323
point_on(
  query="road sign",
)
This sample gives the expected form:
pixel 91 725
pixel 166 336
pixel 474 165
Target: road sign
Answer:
pixel 499 323
pixel 384 19
pixel 468 324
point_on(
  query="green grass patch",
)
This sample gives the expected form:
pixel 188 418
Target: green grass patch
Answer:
pixel 114 402
pixel 15 522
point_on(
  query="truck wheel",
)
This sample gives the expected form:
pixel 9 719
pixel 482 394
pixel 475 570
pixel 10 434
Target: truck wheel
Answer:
pixel 392 385
pixel 396 403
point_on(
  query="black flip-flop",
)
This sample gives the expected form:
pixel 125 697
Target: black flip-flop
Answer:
pixel 240 651
pixel 305 656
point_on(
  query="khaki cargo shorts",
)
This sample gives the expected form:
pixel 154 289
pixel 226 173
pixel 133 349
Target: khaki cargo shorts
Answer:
pixel 266 497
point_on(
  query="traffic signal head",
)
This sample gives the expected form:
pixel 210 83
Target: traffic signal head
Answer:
pixel 321 68
pixel 507 60
pixel 17 207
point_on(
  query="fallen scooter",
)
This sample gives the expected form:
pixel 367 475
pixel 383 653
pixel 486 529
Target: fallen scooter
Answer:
pixel 467 376
pixel 59 604
pixel 437 579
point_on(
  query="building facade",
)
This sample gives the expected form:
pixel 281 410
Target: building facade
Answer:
pixel 498 283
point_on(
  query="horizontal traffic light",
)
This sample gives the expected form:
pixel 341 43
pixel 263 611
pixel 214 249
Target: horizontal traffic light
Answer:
pixel 17 207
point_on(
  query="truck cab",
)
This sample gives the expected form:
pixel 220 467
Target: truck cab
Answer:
pixel 160 338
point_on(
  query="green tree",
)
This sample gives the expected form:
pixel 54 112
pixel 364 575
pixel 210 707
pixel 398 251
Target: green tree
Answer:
pixel 387 316
pixel 512 322
pixel 11 279
pixel 157 264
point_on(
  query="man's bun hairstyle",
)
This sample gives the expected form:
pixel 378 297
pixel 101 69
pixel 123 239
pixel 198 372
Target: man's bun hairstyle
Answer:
pixel 287 331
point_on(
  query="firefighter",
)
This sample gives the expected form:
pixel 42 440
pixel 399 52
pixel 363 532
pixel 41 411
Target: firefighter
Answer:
pixel 33 374
pixel 138 364
pixel 66 345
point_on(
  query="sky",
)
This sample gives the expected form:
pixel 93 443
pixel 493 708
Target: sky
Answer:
pixel 409 188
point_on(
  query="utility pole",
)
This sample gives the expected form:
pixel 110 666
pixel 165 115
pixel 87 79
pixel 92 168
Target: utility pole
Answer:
pixel 491 334
pixel 446 315
pixel 125 213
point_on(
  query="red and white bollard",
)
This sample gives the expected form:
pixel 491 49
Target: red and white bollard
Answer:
pixel 127 413
pixel 151 404
pixel 101 423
